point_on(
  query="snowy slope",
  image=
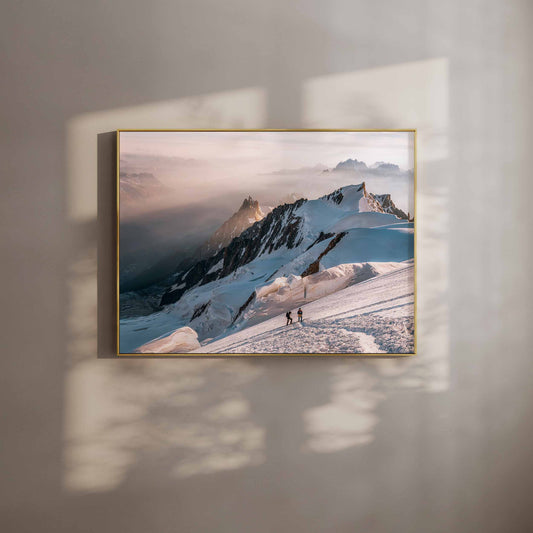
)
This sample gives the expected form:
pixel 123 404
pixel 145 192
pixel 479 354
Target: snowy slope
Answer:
pixel 293 291
pixel 375 316
pixel 298 253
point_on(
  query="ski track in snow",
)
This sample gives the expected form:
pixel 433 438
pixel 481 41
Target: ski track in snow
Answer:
pixel 375 316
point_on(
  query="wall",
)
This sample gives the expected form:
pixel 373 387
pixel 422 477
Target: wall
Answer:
pixel 439 442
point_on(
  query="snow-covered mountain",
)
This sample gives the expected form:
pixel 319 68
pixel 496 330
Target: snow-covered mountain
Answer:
pixel 299 226
pixel 249 213
pixel 298 253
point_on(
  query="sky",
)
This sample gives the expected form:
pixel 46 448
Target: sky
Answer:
pixel 200 167
pixel 266 151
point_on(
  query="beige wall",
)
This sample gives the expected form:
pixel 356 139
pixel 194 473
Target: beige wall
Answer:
pixel 440 442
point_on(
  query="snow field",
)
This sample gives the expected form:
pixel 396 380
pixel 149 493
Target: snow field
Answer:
pixel 375 316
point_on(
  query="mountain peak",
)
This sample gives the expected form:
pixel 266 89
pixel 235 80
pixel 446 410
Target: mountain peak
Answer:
pixel 349 195
pixel 351 164
pixel 358 199
pixel 249 203
pixel 248 214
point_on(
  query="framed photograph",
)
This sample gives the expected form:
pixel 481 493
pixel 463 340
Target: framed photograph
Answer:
pixel 266 242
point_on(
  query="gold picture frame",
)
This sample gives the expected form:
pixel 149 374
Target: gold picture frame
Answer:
pixel 290 354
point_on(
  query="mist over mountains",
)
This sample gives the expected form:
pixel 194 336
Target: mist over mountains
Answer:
pixel 382 177
pixel 138 186
pixel 153 244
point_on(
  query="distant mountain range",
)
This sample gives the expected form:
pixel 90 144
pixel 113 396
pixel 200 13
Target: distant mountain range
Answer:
pixel 377 169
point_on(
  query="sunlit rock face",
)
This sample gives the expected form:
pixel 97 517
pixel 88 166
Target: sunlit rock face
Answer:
pixel 388 206
pixel 249 213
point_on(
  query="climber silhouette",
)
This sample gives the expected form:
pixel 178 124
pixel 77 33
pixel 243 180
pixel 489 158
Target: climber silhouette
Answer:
pixel 289 318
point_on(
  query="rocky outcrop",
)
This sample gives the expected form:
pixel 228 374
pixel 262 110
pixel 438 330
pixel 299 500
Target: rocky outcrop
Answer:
pixel 243 307
pixel 199 310
pixel 387 205
pixel 248 214
pixel 336 196
pixel 322 237
pixel 314 267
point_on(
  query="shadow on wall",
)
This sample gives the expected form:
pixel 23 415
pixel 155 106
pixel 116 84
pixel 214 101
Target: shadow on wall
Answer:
pixel 150 423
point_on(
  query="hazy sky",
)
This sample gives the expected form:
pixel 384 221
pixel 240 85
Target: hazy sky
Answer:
pixel 202 166
pixel 267 150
